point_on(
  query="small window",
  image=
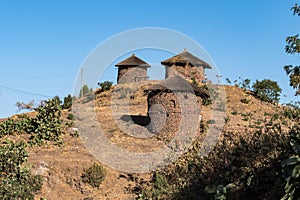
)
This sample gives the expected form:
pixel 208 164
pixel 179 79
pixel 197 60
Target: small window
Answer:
pixel 173 103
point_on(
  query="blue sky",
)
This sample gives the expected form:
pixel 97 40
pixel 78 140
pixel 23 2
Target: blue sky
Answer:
pixel 43 43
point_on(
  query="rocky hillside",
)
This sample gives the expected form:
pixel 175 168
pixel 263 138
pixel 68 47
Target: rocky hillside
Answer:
pixel 63 166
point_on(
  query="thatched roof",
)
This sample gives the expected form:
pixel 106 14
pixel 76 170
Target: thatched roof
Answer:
pixel 178 84
pixel 133 61
pixel 184 58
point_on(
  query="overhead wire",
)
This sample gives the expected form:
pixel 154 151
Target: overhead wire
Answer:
pixel 25 92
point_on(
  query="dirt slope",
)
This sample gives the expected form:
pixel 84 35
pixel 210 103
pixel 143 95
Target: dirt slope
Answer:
pixel 62 167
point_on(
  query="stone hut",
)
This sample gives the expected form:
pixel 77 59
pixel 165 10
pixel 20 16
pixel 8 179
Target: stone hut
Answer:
pixel 132 69
pixel 172 103
pixel 186 65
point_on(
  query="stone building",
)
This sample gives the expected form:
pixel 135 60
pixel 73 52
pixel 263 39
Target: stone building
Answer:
pixel 172 103
pixel 187 65
pixel 132 69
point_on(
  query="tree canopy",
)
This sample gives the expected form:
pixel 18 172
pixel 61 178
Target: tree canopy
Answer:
pixel 293 47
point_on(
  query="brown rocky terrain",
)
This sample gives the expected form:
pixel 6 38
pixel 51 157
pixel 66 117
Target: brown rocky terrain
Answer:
pixel 62 167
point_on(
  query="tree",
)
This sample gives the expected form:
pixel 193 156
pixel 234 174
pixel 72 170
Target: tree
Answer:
pixel 245 84
pixel 267 90
pixel 293 47
pixel 67 102
pixel 106 85
pixel 57 98
pixel 85 90
pixel 26 106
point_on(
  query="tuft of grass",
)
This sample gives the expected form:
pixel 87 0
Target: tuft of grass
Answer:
pixel 246 101
pixel 94 175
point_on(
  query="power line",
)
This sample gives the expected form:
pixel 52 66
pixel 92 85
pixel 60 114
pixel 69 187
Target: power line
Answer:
pixel 25 92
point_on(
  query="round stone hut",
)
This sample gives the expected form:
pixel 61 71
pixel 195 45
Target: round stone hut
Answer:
pixel 186 65
pixel 132 69
pixel 174 105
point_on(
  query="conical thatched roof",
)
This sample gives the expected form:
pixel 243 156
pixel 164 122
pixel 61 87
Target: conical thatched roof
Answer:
pixel 185 57
pixel 178 84
pixel 133 61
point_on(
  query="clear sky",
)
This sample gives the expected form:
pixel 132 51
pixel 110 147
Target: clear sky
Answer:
pixel 43 43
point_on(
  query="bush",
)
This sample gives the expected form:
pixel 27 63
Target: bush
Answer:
pixel 46 126
pixel 246 101
pixel 16 180
pixel 94 175
pixel 234 112
pixel 70 116
pixel 85 90
pixel 106 85
pixel 241 166
pixel 291 166
pixel 68 100
pixel 267 90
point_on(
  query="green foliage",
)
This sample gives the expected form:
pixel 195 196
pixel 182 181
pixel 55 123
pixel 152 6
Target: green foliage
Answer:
pixel 203 126
pixel 16 180
pixel 68 100
pixel 218 191
pixel 234 112
pixel 296 10
pixel 293 47
pixel 294 74
pixel 160 188
pixel 245 84
pixel 46 126
pixel 211 121
pixel 206 101
pixel 242 166
pixel 292 44
pixel 292 111
pixel 94 175
pixel 106 85
pixel 246 101
pixel 25 106
pixel 85 90
pixel 267 90
pixel 228 81
pixel 291 166
pixel 70 116
pixel 242 83
pixel 194 81
pixel 57 98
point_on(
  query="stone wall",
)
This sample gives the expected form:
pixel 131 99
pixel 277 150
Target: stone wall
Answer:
pixel 170 110
pixel 132 74
pixel 186 71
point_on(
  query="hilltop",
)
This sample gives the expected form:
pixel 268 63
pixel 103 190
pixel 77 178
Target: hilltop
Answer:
pixel 62 166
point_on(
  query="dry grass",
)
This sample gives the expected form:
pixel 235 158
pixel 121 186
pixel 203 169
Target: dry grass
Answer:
pixel 63 166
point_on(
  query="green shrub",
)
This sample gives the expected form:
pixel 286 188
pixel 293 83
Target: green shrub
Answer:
pixel 291 166
pixel 70 116
pixel 246 101
pixel 16 180
pixel 234 112
pixel 206 101
pixel 159 189
pixel 211 121
pixel 240 165
pixel 94 175
pixel 106 85
pixel 47 125
pixel 68 100
pixel 267 90
pixel 85 90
